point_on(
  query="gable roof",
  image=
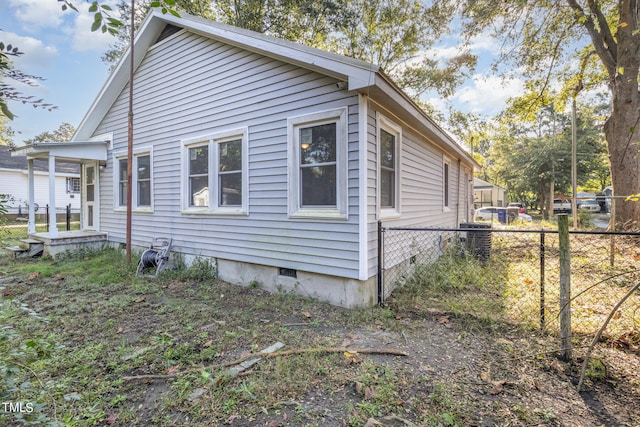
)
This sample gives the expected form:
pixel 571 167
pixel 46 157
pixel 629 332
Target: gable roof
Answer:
pixel 360 76
pixel 19 163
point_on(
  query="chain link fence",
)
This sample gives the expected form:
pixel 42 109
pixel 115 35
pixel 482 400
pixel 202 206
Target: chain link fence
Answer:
pixel 514 275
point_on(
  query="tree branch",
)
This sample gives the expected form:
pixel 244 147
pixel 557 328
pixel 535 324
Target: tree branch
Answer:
pixel 605 51
pixel 267 355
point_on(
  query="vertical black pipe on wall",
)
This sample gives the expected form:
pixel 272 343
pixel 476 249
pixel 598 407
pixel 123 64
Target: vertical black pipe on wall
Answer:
pixel 47 213
pixel 380 264
pixel 69 217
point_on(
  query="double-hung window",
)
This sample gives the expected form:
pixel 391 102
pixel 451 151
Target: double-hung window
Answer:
pixel 389 140
pixel 446 182
pixel 142 180
pixel 214 174
pixel 318 165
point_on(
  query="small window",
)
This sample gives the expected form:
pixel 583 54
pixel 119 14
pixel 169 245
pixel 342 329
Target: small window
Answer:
pixel 389 140
pixel 446 182
pixel 122 182
pixel 73 185
pixel 142 180
pixel 318 165
pixel 387 169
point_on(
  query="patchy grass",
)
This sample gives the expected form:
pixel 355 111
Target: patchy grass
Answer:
pixel 83 341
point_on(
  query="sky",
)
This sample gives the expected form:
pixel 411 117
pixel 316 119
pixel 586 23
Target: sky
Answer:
pixel 60 47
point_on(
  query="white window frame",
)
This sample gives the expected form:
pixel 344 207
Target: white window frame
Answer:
pixel 122 155
pixel 383 123
pixel 73 185
pixel 294 124
pixel 446 184
pixel 212 141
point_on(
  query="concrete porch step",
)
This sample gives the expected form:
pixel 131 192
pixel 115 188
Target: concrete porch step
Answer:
pixel 33 247
pixel 15 251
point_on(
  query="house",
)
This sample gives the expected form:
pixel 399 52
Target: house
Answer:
pixel 487 194
pixel 274 159
pixel 14 183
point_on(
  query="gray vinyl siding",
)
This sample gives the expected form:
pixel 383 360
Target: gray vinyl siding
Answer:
pixel 421 190
pixel 189 86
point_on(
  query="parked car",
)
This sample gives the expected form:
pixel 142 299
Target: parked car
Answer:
pixel 490 213
pixel 525 217
pixel 486 213
pixel 561 206
pixel 522 208
pixel 590 205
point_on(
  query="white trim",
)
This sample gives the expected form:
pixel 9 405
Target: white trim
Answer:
pixel 120 155
pixel 363 204
pixel 341 210
pixel 383 123
pixel 107 136
pixel 211 140
pixel 84 205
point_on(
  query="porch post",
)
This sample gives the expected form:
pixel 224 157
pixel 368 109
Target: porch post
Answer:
pixel 31 227
pixel 53 227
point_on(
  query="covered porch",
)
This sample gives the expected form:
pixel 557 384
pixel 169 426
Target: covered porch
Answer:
pixel 91 156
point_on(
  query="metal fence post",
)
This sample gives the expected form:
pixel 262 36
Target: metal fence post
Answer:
pixel 380 264
pixel 542 279
pixel 565 288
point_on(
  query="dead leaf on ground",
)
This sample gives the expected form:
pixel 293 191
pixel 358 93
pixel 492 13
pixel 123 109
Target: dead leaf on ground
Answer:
pixel 208 344
pixel 111 419
pixel 34 275
pixel 370 393
pixel 120 330
pixel 140 299
pixel 172 370
pixel 443 320
pixel 498 387
pixel 352 357
pixel 306 314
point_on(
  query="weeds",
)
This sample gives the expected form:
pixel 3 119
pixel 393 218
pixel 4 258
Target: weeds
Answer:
pixel 74 329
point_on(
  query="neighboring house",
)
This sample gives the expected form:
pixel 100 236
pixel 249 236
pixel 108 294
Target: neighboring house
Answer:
pixel 275 159
pixel 487 194
pixel 14 182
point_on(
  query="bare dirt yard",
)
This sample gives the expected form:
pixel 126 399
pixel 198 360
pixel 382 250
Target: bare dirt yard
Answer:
pixel 85 342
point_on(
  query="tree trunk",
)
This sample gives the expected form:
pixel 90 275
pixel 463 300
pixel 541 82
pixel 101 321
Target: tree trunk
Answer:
pixel 621 129
pixel 624 161
pixel 618 47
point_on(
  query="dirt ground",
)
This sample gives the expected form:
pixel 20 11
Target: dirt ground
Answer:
pixel 455 371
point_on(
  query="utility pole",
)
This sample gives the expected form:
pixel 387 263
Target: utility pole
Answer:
pixel 130 137
pixel 574 165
